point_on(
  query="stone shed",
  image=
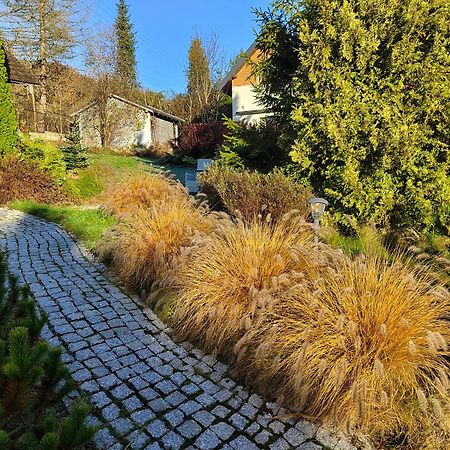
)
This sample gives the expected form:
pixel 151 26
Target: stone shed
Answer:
pixel 122 123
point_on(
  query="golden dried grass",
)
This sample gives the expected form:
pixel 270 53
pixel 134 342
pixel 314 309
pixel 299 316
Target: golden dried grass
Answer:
pixel 227 281
pixel 145 248
pixel 140 191
pixel 364 346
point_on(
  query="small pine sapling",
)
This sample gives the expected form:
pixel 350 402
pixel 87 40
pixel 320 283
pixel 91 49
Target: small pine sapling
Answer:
pixel 33 379
pixel 74 154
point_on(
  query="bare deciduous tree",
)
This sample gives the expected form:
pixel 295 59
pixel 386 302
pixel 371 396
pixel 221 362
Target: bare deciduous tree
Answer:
pixel 43 31
pixel 101 53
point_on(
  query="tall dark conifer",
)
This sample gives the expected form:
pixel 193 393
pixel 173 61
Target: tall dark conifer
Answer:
pixel 8 121
pixel 126 45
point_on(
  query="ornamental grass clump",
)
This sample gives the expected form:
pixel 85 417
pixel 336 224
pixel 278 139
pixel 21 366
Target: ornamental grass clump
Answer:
pixel 142 191
pixel 363 346
pixel 225 283
pixel 145 248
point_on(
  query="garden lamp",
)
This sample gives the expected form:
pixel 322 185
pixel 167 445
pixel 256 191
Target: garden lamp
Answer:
pixel 317 209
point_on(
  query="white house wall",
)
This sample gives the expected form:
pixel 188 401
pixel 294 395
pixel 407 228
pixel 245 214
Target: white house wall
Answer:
pixel 245 104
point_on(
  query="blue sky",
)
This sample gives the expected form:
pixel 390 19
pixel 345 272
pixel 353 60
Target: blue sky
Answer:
pixel 164 29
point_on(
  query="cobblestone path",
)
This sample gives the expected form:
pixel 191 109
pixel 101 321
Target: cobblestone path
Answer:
pixel 147 391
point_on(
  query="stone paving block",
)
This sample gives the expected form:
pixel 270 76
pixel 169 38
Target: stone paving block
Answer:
pixel 220 411
pixel 158 405
pixel 242 443
pixel 90 386
pixel 189 429
pixel 149 394
pixel 295 437
pixel 238 421
pixel 122 425
pixel 143 416
pixel 223 430
pixel 104 439
pixel 190 389
pixel 277 426
pixel 157 428
pixel 253 429
pixel 166 387
pixel 132 404
pixel 137 440
pixel 206 400
pixel 154 446
pixel 205 418
pixel 175 417
pixel 280 444
pixel 262 437
pixel 248 411
pixel 108 381
pixel 111 412
pixel 309 446
pixel 172 441
pixel 121 392
pixel 176 398
pixel 100 399
pixel 138 382
pixel 190 407
pixel 207 441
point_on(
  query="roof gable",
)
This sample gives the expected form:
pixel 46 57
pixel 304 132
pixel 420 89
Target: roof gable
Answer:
pixel 18 71
pixel 150 109
pixel 238 66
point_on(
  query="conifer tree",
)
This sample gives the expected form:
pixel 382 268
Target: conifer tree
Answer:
pixel 74 154
pixel 126 45
pixel 199 79
pixel 361 89
pixel 8 121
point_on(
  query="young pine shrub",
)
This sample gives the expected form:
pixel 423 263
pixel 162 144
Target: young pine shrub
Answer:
pixel 231 278
pixel 145 248
pixel 363 347
pixel 140 192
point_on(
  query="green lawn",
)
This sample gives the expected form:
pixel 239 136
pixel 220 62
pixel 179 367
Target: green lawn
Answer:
pixel 104 168
pixel 88 225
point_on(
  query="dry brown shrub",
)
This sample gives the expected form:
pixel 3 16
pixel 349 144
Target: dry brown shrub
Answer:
pixel 253 193
pixel 21 180
pixel 141 191
pixel 233 276
pixel 364 346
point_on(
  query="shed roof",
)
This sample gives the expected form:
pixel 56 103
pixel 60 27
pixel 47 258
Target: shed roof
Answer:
pixel 150 109
pixel 18 71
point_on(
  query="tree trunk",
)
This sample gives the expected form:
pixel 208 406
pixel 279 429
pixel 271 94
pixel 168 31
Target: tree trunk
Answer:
pixel 43 72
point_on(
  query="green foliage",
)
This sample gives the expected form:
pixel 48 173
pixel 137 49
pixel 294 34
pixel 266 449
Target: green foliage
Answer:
pixel 199 78
pixel 33 379
pixel 126 45
pixel 74 154
pixel 8 120
pixel 229 158
pixel 47 157
pixel 256 143
pixel 362 93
